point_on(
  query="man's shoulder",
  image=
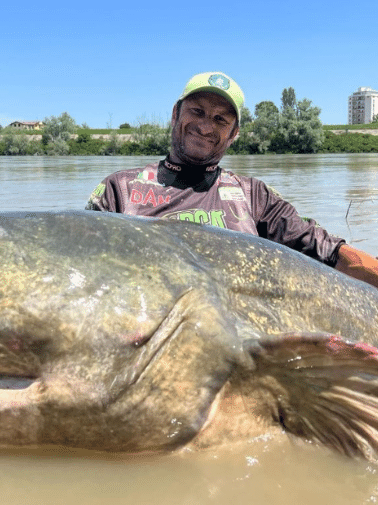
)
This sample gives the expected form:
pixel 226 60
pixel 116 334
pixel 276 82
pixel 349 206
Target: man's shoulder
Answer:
pixel 247 181
pixel 229 176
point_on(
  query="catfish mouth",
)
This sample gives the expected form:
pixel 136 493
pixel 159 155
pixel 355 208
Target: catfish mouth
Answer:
pixel 20 365
pixel 129 399
pixel 129 359
pixel 16 382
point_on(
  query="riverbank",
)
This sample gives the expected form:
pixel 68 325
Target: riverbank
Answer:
pixel 158 143
pixel 346 130
pixel 129 137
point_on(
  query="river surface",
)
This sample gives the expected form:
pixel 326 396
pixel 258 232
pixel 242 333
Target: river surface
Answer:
pixel 340 191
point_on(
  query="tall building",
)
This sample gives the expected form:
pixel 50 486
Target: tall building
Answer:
pixel 362 106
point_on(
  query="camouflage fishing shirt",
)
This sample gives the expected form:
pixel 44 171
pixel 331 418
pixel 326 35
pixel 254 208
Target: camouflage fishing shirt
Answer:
pixel 220 198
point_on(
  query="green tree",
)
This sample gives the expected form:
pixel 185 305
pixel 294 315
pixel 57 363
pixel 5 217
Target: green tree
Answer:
pixel 56 132
pixel 245 117
pixel 295 128
pixel 245 143
pixel 83 137
pixel 265 124
pixel 124 126
pixel 152 136
pixel 113 146
pixel 299 128
pixel 59 147
pixel 375 119
pixel 15 144
pixel 266 107
pixel 288 98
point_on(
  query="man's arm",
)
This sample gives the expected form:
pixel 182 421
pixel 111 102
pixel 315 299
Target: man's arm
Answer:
pixel 277 220
pixel 358 264
pixel 104 197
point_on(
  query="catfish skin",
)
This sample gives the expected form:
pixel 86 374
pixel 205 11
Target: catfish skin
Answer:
pixel 127 331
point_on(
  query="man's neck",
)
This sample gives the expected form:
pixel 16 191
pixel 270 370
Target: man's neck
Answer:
pixel 192 167
pixel 182 175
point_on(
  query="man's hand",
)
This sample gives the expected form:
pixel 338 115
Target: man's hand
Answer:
pixel 358 264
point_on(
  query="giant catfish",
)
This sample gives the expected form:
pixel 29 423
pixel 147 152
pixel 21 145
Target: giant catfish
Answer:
pixel 131 334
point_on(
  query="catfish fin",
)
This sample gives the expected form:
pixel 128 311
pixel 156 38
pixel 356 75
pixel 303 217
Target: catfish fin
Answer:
pixel 323 388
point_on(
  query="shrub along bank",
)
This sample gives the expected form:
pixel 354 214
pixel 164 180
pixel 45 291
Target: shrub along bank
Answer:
pixel 158 143
pixel 349 143
pixel 294 128
pixel 85 145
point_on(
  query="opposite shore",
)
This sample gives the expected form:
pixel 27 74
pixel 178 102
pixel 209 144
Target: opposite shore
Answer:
pixel 155 140
pixel 129 137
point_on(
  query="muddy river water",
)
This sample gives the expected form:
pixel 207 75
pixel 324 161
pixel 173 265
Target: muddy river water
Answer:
pixel 341 193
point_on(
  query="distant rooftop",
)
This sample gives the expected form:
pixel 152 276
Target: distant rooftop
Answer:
pixel 365 89
pixel 27 125
pixel 27 122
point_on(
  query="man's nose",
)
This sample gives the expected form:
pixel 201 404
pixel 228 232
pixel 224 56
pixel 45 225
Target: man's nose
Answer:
pixel 205 125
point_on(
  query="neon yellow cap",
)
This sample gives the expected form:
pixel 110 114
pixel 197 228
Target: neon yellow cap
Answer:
pixel 216 82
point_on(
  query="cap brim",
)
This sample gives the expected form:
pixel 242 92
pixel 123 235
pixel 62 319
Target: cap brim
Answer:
pixel 218 91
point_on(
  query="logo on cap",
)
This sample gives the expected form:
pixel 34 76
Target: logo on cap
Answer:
pixel 219 81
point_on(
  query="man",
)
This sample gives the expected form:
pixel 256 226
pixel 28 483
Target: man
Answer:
pixel 189 184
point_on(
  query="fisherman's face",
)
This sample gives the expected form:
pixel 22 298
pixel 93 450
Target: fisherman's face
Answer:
pixel 205 128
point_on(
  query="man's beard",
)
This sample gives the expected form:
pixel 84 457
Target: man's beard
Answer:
pixel 179 150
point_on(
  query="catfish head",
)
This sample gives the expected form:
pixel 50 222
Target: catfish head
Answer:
pixel 106 341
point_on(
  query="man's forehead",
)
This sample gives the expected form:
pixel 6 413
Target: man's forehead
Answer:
pixel 214 99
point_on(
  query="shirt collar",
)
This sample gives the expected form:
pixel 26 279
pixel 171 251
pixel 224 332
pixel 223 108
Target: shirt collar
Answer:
pixel 182 176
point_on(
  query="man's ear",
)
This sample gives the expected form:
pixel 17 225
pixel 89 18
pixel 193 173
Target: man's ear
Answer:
pixel 233 136
pixel 174 115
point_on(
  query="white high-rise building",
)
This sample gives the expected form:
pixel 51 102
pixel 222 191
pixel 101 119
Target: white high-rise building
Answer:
pixel 362 106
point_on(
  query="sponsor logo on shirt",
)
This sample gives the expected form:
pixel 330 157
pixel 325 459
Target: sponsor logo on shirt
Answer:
pixel 146 177
pixel 200 216
pixel 149 198
pixel 230 193
pixel 177 168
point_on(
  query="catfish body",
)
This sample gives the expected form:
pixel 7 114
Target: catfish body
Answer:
pixel 125 334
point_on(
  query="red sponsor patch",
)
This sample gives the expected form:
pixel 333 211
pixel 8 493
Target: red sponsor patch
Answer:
pixel 150 198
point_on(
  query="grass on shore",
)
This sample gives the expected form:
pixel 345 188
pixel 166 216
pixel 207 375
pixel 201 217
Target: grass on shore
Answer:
pixel 368 126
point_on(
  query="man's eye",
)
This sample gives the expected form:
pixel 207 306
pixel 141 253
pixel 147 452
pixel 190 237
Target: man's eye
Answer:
pixel 221 119
pixel 197 112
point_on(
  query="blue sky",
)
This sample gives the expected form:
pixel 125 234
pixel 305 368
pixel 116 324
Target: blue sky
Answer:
pixel 113 62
